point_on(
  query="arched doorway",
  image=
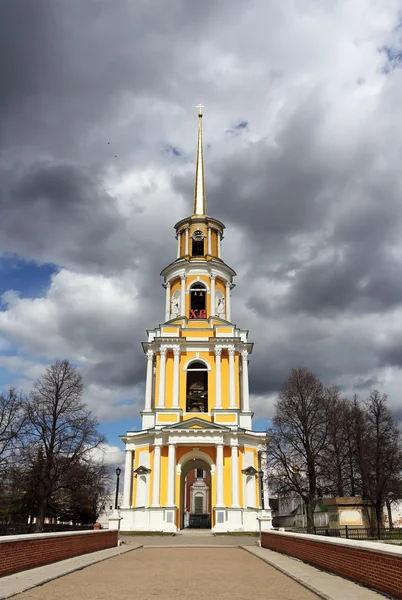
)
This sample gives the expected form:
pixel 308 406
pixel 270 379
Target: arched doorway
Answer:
pixel 195 494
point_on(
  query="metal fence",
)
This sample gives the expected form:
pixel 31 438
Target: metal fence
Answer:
pixel 356 533
pixel 25 528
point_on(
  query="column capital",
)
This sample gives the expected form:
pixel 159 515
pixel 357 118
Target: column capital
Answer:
pixel 219 444
pixel 234 443
pixel 212 276
pixel 183 277
pixel 231 350
pixel 228 285
pixel 176 350
pixel 218 350
pixel 163 350
pixel 244 354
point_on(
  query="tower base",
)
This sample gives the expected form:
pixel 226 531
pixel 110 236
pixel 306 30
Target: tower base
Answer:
pixel 165 519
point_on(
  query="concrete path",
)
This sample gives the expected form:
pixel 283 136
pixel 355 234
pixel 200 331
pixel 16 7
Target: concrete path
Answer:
pixel 168 567
pixel 174 574
pixel 25 580
pixel 325 585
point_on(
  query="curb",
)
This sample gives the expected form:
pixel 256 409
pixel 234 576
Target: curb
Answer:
pixel 68 571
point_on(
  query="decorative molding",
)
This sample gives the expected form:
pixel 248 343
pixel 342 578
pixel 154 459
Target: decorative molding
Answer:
pixel 198 235
pixel 142 470
pixel 194 358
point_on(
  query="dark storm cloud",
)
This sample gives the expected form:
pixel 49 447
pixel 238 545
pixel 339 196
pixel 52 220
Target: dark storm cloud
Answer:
pixel 60 213
pixel 77 75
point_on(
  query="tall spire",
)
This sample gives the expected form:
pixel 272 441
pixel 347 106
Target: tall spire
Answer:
pixel 199 189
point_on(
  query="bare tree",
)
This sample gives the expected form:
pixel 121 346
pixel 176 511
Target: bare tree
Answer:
pixel 379 452
pixel 11 427
pixel 298 438
pixel 336 470
pixel 62 426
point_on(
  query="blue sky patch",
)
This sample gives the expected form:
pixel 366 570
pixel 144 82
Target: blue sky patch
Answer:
pixel 28 278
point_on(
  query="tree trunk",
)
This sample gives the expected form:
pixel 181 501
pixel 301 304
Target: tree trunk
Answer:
pixel 378 518
pixel 41 515
pixel 310 516
pixel 389 511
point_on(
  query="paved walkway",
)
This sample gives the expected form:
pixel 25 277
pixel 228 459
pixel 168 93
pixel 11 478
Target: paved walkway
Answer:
pixel 167 567
pixel 174 574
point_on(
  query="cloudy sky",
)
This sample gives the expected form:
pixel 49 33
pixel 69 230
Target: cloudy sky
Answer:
pixel 303 150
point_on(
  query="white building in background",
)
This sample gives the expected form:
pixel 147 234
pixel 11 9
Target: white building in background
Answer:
pixel 108 509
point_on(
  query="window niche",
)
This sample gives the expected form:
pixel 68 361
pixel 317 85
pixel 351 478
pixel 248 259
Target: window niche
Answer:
pixel 198 301
pixel 198 238
pixel 197 388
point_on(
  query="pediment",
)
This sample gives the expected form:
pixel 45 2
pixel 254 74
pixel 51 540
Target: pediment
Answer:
pixel 196 423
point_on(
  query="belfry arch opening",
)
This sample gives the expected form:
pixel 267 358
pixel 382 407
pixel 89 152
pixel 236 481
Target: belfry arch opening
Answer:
pixel 198 299
pixel 195 495
pixel 197 387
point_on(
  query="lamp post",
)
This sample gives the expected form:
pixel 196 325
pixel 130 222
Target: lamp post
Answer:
pixel 118 471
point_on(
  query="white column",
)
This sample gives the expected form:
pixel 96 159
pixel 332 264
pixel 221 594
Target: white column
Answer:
pixel 183 296
pixel 209 240
pixel 148 383
pixel 232 384
pixel 219 475
pixel 245 386
pixel 187 231
pixel 167 302
pixel 235 476
pixel 162 378
pixel 212 296
pixel 176 376
pixel 219 243
pixel 156 481
pixel 171 475
pixel 264 466
pixel 178 244
pixel 218 382
pixel 228 311
pixel 128 478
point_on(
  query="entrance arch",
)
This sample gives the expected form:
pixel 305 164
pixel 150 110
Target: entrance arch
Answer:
pixel 196 469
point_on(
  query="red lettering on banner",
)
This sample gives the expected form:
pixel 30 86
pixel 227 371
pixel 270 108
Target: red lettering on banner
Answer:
pixel 195 313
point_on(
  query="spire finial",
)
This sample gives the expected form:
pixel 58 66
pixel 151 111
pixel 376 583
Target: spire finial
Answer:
pixel 199 190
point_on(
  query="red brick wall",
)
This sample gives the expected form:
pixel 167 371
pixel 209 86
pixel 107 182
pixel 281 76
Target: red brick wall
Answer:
pixel 18 555
pixel 377 570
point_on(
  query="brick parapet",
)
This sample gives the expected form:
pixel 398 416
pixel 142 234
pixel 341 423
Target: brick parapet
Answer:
pixel 372 564
pixel 21 552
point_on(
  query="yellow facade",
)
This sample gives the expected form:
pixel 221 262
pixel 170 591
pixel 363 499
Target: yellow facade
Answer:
pixel 196 413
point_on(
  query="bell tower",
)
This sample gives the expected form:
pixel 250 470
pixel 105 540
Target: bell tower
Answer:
pixel 197 407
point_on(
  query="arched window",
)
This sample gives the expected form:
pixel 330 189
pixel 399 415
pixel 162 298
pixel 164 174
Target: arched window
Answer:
pixel 198 296
pixel 198 243
pixel 197 388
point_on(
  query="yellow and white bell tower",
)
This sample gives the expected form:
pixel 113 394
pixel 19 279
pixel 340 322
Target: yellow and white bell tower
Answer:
pixel 196 415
